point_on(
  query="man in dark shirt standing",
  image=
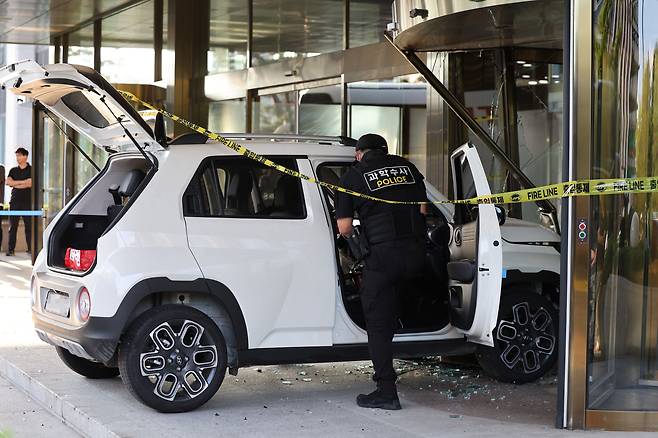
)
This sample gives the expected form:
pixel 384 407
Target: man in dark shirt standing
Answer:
pixel 396 238
pixel 2 198
pixel 20 181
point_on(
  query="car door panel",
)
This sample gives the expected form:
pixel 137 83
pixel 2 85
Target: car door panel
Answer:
pixel 476 253
pixel 281 271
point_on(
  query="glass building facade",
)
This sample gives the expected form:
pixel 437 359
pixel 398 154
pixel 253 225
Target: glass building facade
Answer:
pixel 622 346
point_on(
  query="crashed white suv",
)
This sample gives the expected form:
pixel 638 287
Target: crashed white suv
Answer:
pixel 199 260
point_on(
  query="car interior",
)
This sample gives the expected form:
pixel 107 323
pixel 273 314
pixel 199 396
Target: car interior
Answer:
pixel 238 187
pixel 423 302
pixel 97 208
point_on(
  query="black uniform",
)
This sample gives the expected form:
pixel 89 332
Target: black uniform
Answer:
pixel 20 200
pixel 2 198
pixel 396 237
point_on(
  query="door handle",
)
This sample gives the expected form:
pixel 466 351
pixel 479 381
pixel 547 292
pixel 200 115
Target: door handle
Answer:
pixel 483 269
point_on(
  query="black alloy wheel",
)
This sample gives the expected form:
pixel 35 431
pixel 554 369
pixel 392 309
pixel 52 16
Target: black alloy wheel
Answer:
pixel 525 339
pixel 173 358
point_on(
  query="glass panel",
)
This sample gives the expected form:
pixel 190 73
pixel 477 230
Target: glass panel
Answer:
pixel 289 29
pixel 623 286
pixel 395 109
pixel 3 117
pixel 368 20
pixel 319 110
pixel 275 113
pixel 382 120
pixel 479 79
pixel 246 189
pixel 228 35
pixel 53 169
pixel 535 114
pixel 81 46
pixel 227 116
pixel 84 171
pixel 127 54
pixel 538 94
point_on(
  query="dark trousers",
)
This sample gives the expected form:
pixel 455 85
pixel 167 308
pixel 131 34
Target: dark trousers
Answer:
pixel 388 265
pixel 13 228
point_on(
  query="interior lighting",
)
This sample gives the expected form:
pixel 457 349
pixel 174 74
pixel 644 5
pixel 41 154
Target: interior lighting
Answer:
pixel 532 82
pixel 556 76
pixel 525 76
pixel 520 62
pixel 543 81
pixel 527 64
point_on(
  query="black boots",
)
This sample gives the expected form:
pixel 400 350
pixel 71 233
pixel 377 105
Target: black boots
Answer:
pixel 379 399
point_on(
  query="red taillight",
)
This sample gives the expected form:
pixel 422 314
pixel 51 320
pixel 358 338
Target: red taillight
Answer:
pixel 84 304
pixel 79 259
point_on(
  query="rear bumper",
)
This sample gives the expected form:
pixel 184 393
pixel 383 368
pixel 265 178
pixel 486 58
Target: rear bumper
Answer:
pixel 94 340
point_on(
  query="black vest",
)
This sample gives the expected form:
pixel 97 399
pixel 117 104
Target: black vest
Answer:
pixel 393 178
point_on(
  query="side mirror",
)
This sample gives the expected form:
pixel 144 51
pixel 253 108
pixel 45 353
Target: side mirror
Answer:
pixel 502 215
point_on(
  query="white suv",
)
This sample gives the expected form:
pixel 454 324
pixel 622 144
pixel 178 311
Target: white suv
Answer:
pixel 203 261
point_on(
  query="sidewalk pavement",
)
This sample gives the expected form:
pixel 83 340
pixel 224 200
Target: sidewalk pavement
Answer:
pixel 21 416
pixel 276 401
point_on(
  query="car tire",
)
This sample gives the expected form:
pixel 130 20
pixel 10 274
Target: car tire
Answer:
pixel 525 339
pixel 86 367
pixel 173 358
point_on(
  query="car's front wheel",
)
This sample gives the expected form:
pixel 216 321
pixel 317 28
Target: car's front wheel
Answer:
pixel 173 358
pixel 525 339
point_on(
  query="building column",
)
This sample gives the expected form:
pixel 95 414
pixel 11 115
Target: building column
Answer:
pixel 188 39
pixel 18 114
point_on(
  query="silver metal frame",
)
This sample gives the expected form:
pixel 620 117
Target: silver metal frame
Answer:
pixel 345 141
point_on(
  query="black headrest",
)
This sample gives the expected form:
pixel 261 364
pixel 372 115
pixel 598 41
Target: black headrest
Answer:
pixel 240 185
pixel 131 182
pixel 286 193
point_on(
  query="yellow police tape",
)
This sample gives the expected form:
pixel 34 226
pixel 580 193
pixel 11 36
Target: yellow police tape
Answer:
pixel 591 187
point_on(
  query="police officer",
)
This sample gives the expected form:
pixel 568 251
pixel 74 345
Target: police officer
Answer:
pixel 395 235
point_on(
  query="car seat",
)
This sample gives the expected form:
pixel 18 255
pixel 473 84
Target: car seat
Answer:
pixel 238 194
pixel 286 198
pixel 126 189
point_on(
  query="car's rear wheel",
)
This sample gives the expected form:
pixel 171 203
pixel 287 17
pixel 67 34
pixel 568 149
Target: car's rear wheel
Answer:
pixel 173 358
pixel 525 339
pixel 86 367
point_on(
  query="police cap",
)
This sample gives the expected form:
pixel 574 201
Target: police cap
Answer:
pixel 371 141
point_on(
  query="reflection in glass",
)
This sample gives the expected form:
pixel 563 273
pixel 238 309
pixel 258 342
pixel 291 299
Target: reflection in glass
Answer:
pixel 127 53
pixel 623 285
pixel 83 169
pixel 394 109
pixel 228 35
pixel 319 110
pixel 53 169
pixel 368 20
pixel 534 115
pixel 538 94
pixel 227 116
pixel 276 113
pixel 81 46
pixel 292 29
pixel 479 82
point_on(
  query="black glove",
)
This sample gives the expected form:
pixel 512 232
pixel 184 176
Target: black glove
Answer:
pixel 358 245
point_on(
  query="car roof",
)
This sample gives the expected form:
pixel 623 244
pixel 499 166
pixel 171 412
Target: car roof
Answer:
pixel 268 147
